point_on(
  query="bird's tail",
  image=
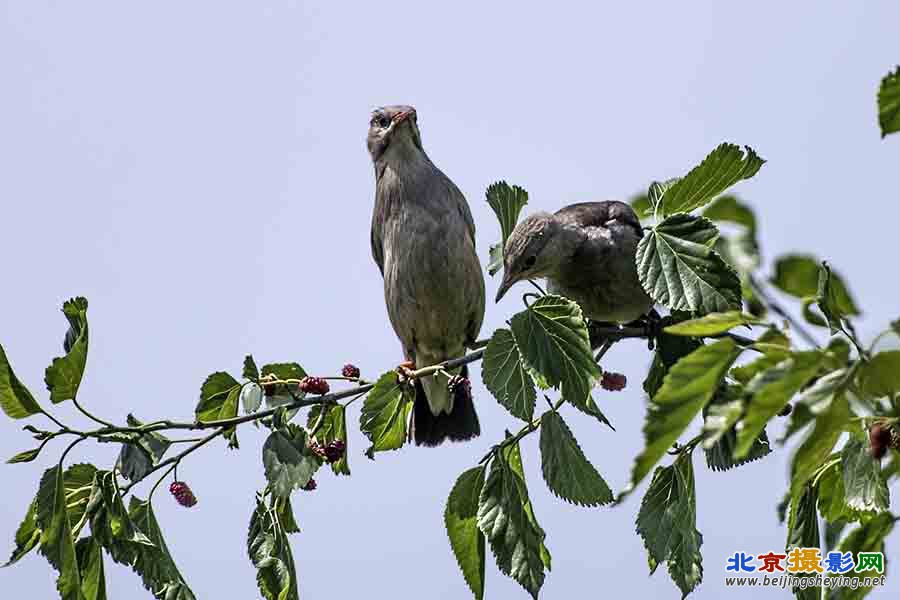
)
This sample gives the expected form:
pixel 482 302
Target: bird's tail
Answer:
pixel 455 420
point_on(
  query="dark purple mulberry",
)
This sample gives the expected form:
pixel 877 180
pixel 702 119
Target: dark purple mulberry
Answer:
pixel 351 371
pixel 183 494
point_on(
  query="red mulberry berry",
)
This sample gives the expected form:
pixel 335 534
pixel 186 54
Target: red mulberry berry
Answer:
pixel 613 382
pixel 879 439
pixel 351 371
pixel 335 450
pixel 318 449
pixel 183 494
pixel 310 485
pixel 314 385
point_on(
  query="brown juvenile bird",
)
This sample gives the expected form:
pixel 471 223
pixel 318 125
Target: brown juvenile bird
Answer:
pixel 586 253
pixel 423 241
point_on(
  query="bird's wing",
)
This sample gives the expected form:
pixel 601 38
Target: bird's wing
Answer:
pixel 462 206
pixel 377 251
pixel 378 217
pixel 599 214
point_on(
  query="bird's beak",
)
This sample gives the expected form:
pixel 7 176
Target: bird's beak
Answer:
pixel 399 118
pixel 504 285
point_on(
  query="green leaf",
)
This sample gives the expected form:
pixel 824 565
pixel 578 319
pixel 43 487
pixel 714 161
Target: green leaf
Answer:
pixel 889 103
pixel 667 522
pixel 270 552
pixel 285 513
pixel 832 500
pixel 720 435
pixel 507 202
pixel 461 521
pixel 289 370
pixel 57 543
pixel 656 192
pixel 142 452
pixel 819 395
pixel 63 376
pixel 507 522
pixel 797 275
pixel 15 399
pixel 728 209
pixel 215 397
pixel 78 485
pixel 881 375
pixel 803 532
pixel 288 461
pixel 864 487
pixel 868 537
pixel 27 535
pixel 567 471
pixel 385 413
pixel 669 350
pixel 505 375
pixel 553 340
pixel 687 388
pixel 721 169
pixel 817 446
pixel 771 390
pixel 833 298
pixel 111 524
pixel 250 371
pixel 90 563
pixel 712 324
pixel 26 456
pixel 678 268
pixel 153 562
pixel 640 203
pixel 333 428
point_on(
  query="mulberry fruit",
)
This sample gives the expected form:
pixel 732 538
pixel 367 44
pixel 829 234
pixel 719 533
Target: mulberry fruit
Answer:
pixel 351 371
pixel 183 494
pixel 314 385
pixel 613 382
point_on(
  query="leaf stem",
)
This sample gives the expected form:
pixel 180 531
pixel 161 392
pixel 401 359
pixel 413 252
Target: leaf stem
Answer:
pixel 89 415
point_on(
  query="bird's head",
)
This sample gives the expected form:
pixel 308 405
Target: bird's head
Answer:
pixel 530 251
pixel 392 126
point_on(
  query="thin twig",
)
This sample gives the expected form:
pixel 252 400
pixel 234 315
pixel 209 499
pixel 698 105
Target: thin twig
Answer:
pixel 89 415
pixel 177 458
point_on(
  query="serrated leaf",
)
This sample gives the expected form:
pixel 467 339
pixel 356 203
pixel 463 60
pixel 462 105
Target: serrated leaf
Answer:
pixel 285 512
pixel 385 413
pixel 461 521
pixel 567 471
pixel 712 324
pixel 250 371
pixel 656 192
pixel 667 522
pixel 889 103
pixel 63 376
pixel 726 165
pixel 288 462
pixel 803 532
pixel 111 524
pixel 26 456
pixel 832 501
pixel 504 518
pixel 553 341
pixel 57 543
pixel 28 535
pixel 142 452
pixel 288 370
pixel 153 562
pixel 333 428
pixel 687 388
pixel 818 396
pixel 678 268
pixel 270 552
pixel 78 483
pixel 669 350
pixel 880 376
pixel 865 489
pixel 15 399
pixel 505 375
pixel 867 537
pixel 507 202
pixel 817 446
pixel 771 390
pixel 90 564
pixel 719 434
pixel 214 396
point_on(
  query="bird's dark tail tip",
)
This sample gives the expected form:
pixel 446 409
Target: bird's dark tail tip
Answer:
pixel 458 426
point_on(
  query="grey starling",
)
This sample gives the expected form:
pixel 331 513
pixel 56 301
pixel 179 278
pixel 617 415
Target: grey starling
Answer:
pixel 586 253
pixel 423 241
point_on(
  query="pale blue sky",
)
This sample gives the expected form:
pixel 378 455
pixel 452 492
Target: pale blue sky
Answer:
pixel 198 171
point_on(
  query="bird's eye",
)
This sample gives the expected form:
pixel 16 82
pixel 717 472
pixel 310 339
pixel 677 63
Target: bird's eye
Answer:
pixel 382 121
pixel 529 262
